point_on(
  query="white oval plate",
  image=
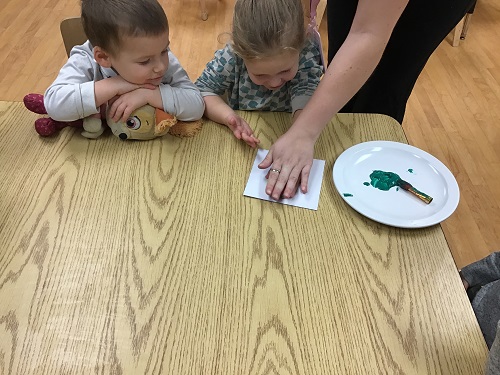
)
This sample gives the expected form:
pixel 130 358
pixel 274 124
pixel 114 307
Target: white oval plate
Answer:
pixel 396 207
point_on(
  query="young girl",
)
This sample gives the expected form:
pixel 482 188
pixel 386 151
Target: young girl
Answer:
pixel 269 65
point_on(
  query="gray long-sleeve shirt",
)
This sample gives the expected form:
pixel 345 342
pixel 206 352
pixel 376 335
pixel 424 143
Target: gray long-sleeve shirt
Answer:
pixel 71 95
pixel 486 304
pixel 493 365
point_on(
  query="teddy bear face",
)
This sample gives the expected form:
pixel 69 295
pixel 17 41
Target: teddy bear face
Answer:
pixel 144 123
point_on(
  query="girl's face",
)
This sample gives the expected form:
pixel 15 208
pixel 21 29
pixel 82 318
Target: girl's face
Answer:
pixel 273 72
pixel 143 59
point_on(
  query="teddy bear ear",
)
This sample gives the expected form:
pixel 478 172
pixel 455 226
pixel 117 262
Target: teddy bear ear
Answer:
pixel 186 128
pixel 163 121
pixel 34 102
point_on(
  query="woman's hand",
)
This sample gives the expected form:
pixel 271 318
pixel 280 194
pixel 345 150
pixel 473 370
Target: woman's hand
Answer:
pixel 241 129
pixel 290 159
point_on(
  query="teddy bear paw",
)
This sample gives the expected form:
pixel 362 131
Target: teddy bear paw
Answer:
pixel 45 126
pixel 34 102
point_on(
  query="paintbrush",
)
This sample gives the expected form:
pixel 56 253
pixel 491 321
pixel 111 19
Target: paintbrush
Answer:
pixel 405 185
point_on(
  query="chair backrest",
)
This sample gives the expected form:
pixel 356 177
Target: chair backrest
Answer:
pixel 72 33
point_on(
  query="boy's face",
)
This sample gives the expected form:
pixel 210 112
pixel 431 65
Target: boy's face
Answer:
pixel 273 72
pixel 142 59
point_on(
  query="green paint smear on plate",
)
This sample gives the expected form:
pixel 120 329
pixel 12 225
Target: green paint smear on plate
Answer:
pixel 383 180
pixel 366 183
pixel 347 195
pixel 410 170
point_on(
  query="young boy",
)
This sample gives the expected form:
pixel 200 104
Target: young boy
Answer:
pixel 126 62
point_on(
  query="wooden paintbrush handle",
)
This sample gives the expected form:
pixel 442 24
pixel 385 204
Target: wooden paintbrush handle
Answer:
pixel 409 188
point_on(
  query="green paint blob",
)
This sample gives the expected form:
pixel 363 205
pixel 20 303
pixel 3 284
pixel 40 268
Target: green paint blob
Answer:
pixel 366 183
pixel 383 180
pixel 410 170
pixel 347 195
pixel 397 189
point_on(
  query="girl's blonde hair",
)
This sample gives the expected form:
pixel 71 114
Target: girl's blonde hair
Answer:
pixel 265 28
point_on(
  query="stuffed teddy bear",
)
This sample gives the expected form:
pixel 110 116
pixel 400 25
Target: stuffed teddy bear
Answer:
pixel 144 123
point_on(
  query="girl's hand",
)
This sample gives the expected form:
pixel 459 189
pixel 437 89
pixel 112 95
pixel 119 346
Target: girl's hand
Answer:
pixel 241 130
pixel 290 159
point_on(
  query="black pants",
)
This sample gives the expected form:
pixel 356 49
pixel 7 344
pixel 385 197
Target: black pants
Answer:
pixel 421 28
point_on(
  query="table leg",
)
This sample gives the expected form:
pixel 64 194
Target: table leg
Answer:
pixel 204 13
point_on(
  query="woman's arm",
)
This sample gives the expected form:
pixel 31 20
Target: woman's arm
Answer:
pixel 354 62
pixel 348 71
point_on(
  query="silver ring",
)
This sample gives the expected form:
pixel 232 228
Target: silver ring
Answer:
pixel 275 170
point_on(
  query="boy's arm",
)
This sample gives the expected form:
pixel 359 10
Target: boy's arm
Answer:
pixel 308 76
pixel 179 95
pixel 79 89
pixel 71 95
pixel 107 89
pixel 483 271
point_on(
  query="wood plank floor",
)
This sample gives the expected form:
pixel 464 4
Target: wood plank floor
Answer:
pixel 453 113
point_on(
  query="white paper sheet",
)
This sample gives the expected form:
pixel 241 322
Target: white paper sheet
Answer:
pixel 256 185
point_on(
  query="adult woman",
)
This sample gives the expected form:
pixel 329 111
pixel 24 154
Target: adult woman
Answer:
pixel 377 49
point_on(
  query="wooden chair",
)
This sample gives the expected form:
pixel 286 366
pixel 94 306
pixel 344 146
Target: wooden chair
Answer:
pixel 462 27
pixel 203 8
pixel 72 33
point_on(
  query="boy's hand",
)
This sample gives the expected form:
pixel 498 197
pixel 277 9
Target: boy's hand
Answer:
pixel 107 89
pixel 241 130
pixel 122 86
pixel 123 106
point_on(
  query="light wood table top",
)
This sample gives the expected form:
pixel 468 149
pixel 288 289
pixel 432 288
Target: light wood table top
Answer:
pixel 145 258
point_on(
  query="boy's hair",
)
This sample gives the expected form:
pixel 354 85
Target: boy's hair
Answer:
pixel 265 28
pixel 106 22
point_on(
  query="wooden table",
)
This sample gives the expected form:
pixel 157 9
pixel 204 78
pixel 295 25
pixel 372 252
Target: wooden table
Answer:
pixel 145 257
